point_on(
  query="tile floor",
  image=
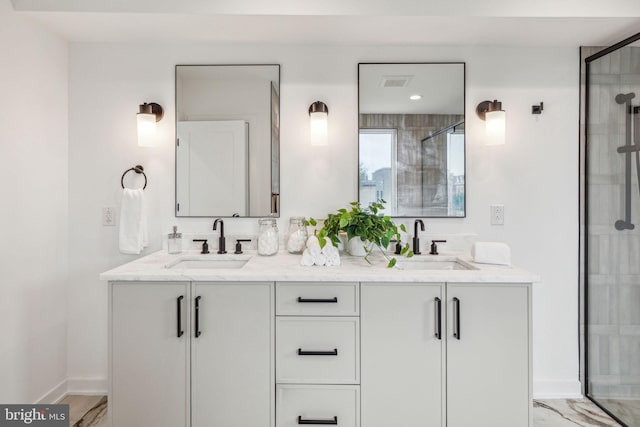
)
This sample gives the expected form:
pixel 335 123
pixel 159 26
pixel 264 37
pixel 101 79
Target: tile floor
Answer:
pixel 570 413
pixel 91 411
pixel 628 410
pixel 87 411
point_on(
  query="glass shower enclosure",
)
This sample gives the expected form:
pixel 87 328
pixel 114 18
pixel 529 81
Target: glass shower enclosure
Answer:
pixel 611 230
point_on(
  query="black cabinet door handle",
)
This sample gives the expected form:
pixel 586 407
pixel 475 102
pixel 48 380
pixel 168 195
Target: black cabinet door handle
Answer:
pixel 334 421
pixel 302 352
pixel 329 300
pixel 456 318
pixel 179 314
pixel 197 332
pixel 438 322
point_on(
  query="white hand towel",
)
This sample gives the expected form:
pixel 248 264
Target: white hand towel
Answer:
pixel 333 262
pixel 320 259
pixel 328 247
pixel 133 222
pixel 491 253
pixel 312 240
pixel 314 250
pixel 332 251
pixel 306 259
pixel 333 259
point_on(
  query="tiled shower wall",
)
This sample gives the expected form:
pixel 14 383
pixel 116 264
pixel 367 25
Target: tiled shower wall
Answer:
pixel 412 129
pixel 613 269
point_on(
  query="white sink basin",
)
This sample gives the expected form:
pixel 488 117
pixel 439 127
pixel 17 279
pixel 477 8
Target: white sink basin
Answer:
pixel 206 263
pixel 433 264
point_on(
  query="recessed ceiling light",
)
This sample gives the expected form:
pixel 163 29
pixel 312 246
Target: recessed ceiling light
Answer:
pixel 415 97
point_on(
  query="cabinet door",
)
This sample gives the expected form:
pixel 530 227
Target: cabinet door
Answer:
pixel 232 358
pixel 149 365
pixel 488 360
pixel 401 356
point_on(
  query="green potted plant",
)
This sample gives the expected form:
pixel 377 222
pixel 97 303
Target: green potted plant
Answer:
pixel 369 224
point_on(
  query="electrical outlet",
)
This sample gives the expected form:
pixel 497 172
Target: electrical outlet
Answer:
pixel 497 214
pixel 108 216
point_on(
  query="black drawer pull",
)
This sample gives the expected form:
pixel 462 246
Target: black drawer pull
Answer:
pixel 438 311
pixel 302 352
pixel 329 300
pixel 334 421
pixel 456 318
pixel 179 316
pixel 198 332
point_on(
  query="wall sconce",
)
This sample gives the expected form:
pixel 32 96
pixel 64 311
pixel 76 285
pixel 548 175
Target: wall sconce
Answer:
pixel 147 117
pixel 494 116
pixel 319 115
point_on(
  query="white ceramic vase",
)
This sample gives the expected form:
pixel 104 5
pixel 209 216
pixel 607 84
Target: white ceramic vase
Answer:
pixel 356 246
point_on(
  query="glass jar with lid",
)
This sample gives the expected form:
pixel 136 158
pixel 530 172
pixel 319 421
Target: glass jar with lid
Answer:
pixel 267 236
pixel 297 240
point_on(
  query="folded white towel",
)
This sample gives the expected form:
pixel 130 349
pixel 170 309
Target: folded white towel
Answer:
pixel 314 250
pixel 491 253
pixel 328 248
pixel 312 240
pixel 307 259
pixel 333 259
pixel 133 222
pixel 333 262
pixel 320 260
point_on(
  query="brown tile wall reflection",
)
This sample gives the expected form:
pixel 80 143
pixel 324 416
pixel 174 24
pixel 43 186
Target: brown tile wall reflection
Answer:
pixel 422 170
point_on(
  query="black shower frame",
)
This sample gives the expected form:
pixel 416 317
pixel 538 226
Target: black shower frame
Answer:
pixel 585 239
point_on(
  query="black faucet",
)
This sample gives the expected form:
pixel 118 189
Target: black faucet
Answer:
pixel 416 240
pixel 221 240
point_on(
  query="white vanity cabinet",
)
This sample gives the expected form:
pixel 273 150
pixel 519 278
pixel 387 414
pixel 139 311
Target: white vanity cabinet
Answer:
pixel 194 354
pixel 232 355
pixel 402 359
pixel 317 354
pixel 475 373
pixel 264 347
pixel 149 362
pixel 489 357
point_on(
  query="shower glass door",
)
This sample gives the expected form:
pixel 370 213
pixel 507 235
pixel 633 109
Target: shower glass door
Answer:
pixel 612 230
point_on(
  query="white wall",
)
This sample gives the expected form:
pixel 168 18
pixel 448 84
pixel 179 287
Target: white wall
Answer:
pixel 33 210
pixel 535 175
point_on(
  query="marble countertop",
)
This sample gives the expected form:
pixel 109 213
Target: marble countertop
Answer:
pixel 286 267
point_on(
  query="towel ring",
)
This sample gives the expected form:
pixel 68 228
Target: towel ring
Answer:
pixel 136 169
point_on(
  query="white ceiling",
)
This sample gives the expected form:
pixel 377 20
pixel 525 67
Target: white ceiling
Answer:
pixel 424 22
pixel 440 85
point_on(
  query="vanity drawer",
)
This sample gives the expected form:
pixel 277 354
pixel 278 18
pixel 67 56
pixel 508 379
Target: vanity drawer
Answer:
pixel 326 404
pixel 318 350
pixel 317 299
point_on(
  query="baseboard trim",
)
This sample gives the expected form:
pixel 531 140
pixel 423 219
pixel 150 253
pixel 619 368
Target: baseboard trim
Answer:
pixel 84 386
pixel 546 389
pixel 54 395
pixel 87 386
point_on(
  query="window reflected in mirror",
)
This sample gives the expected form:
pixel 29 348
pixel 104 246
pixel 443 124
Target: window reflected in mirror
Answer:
pixel 411 138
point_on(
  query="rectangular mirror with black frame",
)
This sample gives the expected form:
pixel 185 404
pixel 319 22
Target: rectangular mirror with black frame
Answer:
pixel 411 138
pixel 227 140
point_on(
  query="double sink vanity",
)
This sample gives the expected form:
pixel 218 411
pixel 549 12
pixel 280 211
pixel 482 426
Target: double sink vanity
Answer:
pixel 244 340
pixel 252 341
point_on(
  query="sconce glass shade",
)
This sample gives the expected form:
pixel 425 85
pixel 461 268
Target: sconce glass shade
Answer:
pixel 495 127
pixel 147 117
pixel 146 129
pixel 495 121
pixel 318 123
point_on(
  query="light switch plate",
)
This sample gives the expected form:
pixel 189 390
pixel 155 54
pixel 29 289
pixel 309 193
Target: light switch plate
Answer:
pixel 497 214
